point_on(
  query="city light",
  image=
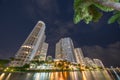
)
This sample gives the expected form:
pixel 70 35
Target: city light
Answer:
pixel 68 62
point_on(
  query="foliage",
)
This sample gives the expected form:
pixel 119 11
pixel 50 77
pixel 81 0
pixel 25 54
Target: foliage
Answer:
pixel 37 62
pixel 26 66
pixel 90 10
pixel 115 17
pixel 96 15
pixel 12 58
pixel 87 14
pixel 105 8
pixel 3 61
pixel 82 11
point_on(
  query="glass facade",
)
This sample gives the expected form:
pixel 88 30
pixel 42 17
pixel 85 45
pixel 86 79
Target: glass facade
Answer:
pixel 31 47
pixel 65 50
pixel 79 56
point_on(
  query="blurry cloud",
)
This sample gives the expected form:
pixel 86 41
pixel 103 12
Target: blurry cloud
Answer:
pixel 63 27
pixel 107 54
pixel 115 45
pixel 41 9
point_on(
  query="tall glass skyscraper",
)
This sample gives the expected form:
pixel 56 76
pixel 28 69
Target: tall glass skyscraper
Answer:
pixel 65 50
pixel 32 46
pixel 89 62
pixel 79 56
pixel 41 55
pixel 98 63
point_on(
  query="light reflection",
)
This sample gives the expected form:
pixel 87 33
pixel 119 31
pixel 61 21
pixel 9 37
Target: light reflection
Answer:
pixel 56 75
pixel 2 76
pixel 75 75
pixel 36 76
pixel 44 76
pixel 84 77
pixel 111 74
pixel 72 77
pixel 8 76
pixel 28 76
pixel 118 77
pixel 63 75
pixel 89 75
pixel 94 73
pixel 107 76
pixel 52 76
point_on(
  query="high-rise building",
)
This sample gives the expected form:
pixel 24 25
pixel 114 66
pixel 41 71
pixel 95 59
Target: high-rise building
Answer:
pixel 98 63
pixel 32 46
pixel 79 56
pixel 41 55
pixel 89 62
pixel 58 51
pixel 65 50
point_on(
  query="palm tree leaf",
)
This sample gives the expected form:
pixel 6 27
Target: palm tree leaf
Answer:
pixel 115 17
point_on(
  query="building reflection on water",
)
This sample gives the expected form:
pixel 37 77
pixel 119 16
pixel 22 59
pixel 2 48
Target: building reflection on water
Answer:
pixel 67 57
pixel 63 75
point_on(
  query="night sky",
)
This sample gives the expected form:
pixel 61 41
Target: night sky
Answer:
pixel 18 18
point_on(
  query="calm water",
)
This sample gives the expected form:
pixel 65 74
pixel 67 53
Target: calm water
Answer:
pixel 65 75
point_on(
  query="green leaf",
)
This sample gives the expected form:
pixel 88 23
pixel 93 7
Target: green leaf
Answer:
pixel 115 17
pixel 95 13
pixel 103 8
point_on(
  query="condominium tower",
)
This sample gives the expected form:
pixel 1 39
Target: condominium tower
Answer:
pixel 98 63
pixel 89 62
pixel 32 46
pixel 65 50
pixel 42 53
pixel 79 56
